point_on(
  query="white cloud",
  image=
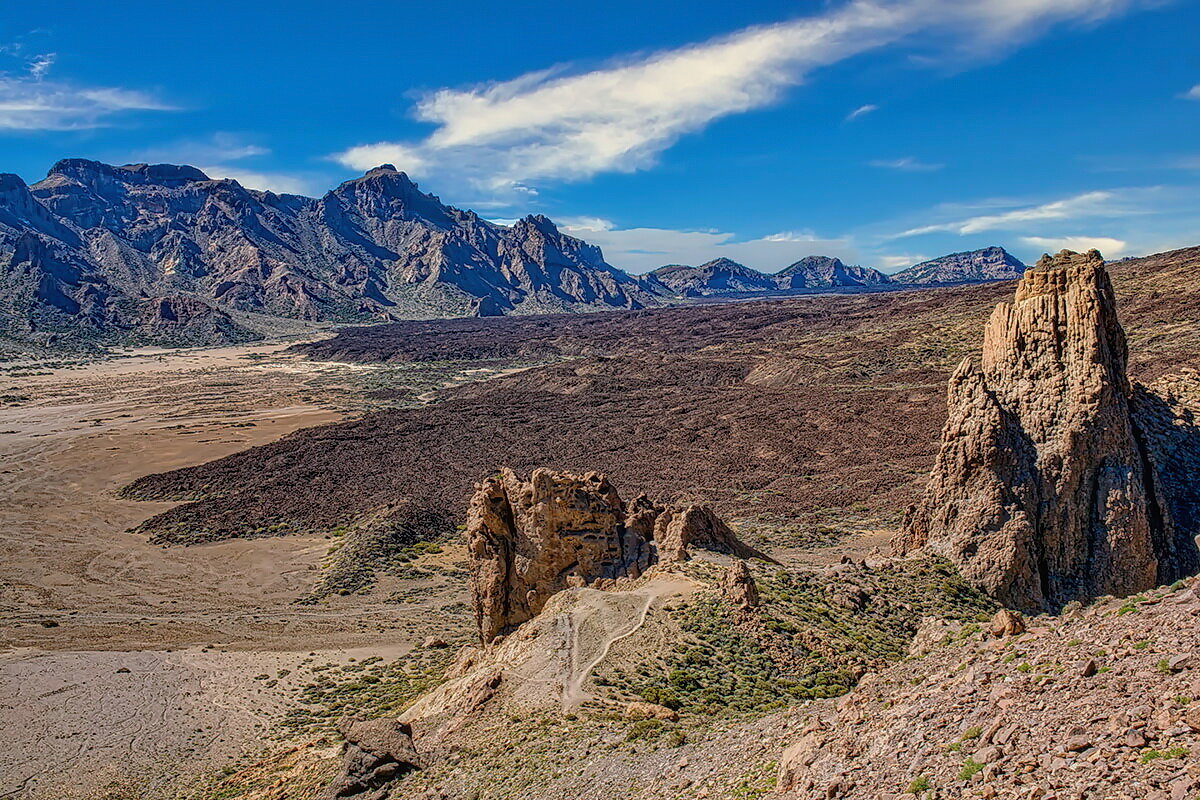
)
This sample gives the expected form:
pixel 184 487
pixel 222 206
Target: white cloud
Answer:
pixel 893 263
pixel 792 236
pixel 861 111
pixel 906 164
pixel 1193 93
pixel 1089 204
pixel 1111 248
pixel 217 148
pixel 31 102
pixel 278 182
pixel 550 125
pixel 640 250
pixel 40 65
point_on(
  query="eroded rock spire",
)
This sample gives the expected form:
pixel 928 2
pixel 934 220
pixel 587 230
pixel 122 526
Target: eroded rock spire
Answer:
pixel 1044 490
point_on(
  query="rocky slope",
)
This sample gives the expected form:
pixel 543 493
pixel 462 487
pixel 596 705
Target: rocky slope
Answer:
pixel 822 272
pixel 93 250
pixel 988 264
pixel 1100 702
pixel 720 276
pixel 1048 488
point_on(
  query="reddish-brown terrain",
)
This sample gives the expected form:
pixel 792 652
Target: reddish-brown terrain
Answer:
pixel 787 415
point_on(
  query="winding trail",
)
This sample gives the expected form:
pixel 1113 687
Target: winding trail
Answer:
pixel 573 694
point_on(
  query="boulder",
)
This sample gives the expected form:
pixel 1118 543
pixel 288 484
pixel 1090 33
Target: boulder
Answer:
pixel 641 711
pixel 376 752
pixel 1007 623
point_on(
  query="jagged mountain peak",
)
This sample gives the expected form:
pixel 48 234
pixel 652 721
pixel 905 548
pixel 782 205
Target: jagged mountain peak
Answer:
pixel 374 248
pixel 827 271
pixel 986 264
pixel 812 262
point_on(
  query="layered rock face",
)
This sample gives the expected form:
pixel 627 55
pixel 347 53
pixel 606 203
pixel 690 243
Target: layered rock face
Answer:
pixel 1046 489
pixel 528 540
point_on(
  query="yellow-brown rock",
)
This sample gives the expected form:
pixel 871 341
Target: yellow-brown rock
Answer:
pixel 1044 489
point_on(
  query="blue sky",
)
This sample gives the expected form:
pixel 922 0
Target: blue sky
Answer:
pixel 882 132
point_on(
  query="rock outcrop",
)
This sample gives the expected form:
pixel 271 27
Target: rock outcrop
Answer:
pixel 1045 489
pixel 738 586
pixel 678 529
pixel 528 540
pixel 376 753
pixel 988 264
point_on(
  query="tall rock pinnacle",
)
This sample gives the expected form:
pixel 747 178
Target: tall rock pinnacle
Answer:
pixel 1045 489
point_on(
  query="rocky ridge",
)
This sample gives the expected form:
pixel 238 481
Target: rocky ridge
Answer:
pixel 822 271
pixel 723 276
pixel 1048 488
pixel 717 277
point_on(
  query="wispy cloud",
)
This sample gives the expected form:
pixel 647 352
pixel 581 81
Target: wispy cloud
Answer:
pixel 861 111
pixel 640 250
pixel 1193 93
pixel 31 101
pixel 553 125
pixel 1111 248
pixel 1089 204
pixel 906 164
pixel 792 236
pixel 221 155
pixel 215 148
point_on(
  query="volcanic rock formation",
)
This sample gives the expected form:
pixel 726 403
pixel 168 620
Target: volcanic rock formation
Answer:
pixel 738 586
pixel 376 753
pixel 528 540
pixel 1046 489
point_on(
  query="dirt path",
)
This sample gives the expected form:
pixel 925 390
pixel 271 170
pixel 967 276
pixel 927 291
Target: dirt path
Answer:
pixel 657 589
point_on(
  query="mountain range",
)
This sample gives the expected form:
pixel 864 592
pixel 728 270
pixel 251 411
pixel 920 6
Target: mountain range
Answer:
pixel 109 251
pixel 723 276
pixel 164 253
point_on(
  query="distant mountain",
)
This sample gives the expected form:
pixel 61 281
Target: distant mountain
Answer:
pixel 721 276
pixel 988 264
pixel 163 252
pixel 814 272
